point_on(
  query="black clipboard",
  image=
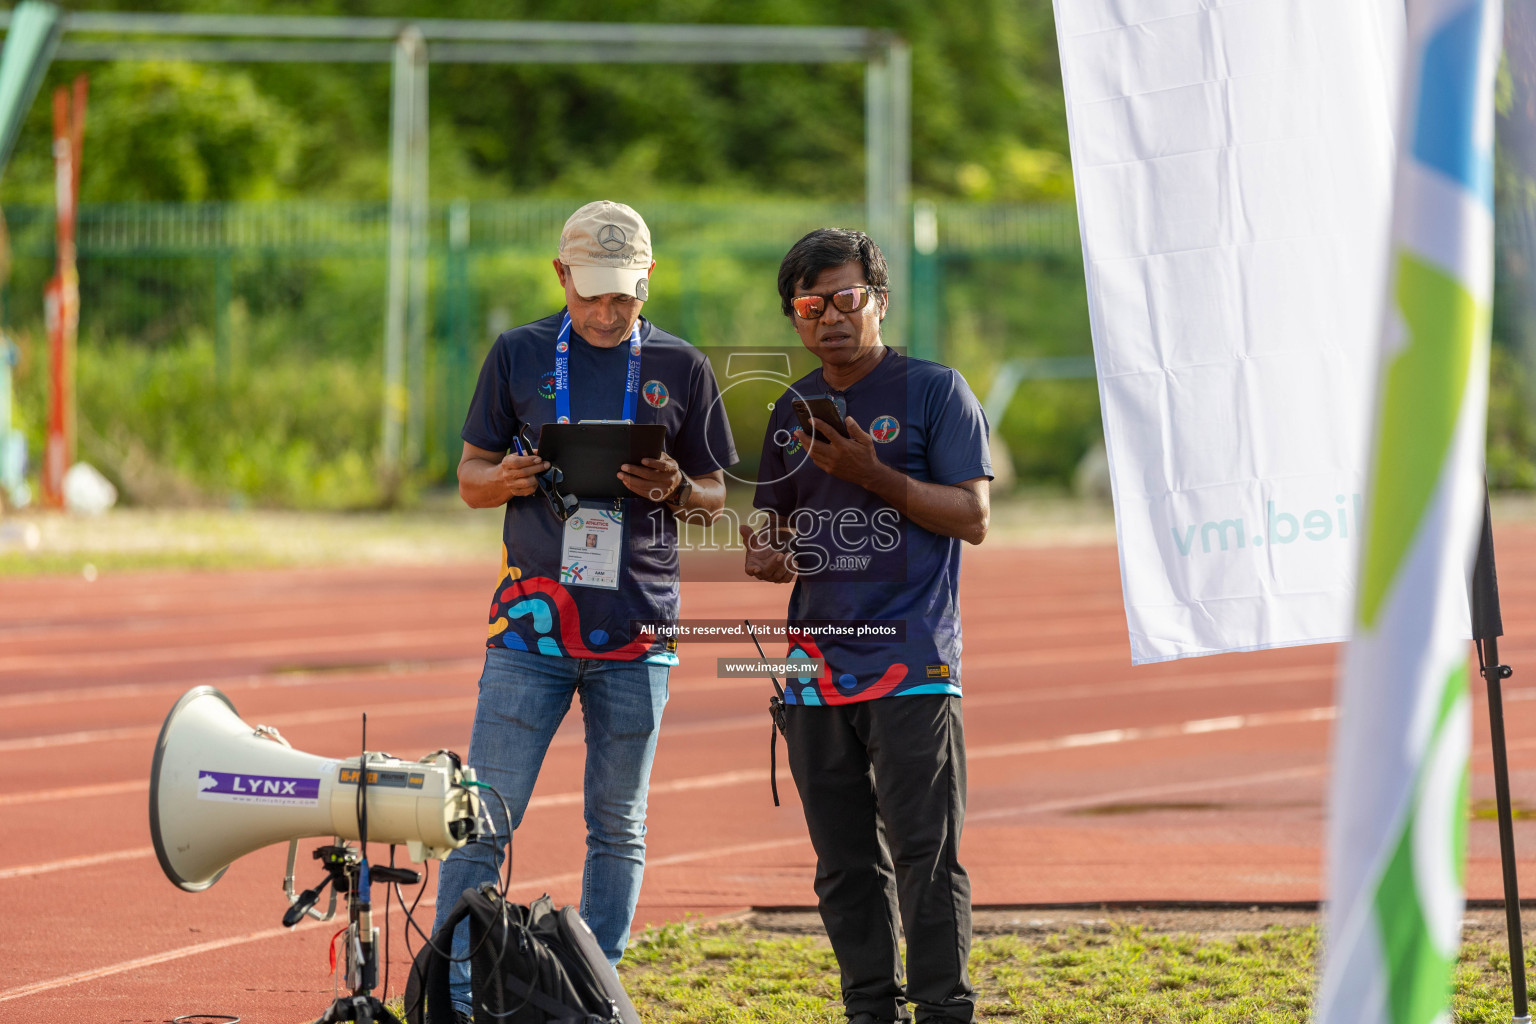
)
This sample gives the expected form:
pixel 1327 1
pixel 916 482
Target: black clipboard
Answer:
pixel 589 455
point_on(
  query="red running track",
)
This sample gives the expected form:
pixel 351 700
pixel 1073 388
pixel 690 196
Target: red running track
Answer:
pixel 1089 780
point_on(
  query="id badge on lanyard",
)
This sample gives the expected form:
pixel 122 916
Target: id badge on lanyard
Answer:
pixel 592 543
pixel 592 547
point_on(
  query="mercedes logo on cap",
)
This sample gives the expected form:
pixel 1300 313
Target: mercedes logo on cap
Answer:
pixel 611 237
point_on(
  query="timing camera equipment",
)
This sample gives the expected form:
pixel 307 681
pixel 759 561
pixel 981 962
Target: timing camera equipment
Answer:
pixel 220 788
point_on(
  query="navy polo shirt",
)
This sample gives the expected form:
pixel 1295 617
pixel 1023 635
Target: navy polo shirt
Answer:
pixel 859 559
pixel 531 609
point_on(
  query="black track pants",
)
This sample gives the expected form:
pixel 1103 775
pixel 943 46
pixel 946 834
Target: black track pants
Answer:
pixel 883 786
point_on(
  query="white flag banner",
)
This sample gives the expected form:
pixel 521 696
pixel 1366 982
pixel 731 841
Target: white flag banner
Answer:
pixel 1398 814
pixel 1233 164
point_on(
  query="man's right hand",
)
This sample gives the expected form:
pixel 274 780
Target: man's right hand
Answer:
pixel 765 560
pixel 517 473
pixel 488 479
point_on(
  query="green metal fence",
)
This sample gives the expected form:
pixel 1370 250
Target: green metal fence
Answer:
pixel 268 282
pixel 266 321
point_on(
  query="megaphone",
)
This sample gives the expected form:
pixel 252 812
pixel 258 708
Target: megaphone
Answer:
pixel 221 788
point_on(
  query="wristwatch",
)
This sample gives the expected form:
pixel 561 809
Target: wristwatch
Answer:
pixel 681 493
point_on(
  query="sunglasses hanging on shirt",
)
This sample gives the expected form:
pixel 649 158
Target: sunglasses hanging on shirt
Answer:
pixel 562 505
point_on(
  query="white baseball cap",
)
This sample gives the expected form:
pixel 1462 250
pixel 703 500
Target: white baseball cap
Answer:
pixel 608 250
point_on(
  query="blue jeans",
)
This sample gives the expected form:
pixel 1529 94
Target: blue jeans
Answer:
pixel 523 698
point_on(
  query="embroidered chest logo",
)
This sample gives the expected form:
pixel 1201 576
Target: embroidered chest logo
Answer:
pixel 655 393
pixel 884 429
pixel 547 385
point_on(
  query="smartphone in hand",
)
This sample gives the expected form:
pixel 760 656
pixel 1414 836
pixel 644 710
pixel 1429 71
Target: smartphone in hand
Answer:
pixel 827 408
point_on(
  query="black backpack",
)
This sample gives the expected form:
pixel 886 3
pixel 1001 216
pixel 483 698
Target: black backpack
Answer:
pixel 528 965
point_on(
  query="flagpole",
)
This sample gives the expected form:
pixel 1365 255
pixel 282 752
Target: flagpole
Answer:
pixel 1487 627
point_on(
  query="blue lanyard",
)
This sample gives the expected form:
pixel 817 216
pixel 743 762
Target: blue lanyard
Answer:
pixel 563 372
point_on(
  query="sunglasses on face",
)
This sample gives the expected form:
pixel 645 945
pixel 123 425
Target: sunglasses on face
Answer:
pixel 849 300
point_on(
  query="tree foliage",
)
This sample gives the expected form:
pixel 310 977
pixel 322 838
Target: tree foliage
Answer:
pixel 987 113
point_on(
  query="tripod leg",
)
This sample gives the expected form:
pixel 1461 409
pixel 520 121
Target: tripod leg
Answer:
pixel 363 1009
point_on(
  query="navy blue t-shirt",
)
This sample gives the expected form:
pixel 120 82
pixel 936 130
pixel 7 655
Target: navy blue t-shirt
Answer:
pixel 532 610
pixel 860 560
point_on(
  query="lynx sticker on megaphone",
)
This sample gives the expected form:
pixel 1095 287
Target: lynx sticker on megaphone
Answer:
pixel 257 789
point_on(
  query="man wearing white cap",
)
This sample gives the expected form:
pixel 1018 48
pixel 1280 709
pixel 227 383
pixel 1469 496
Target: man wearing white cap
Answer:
pixel 557 632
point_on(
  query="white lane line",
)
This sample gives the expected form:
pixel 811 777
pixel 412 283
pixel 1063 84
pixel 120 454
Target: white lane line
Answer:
pixel 317 676
pixel 28 870
pixel 1266 676
pixel 683 785
pixel 691 783
pixel 743 776
pixel 735 850
pixel 1008 659
pixel 285 720
pixel 1067 742
pixel 1174 788
pixel 363 645
pixel 1195 727
pixel 1145 792
pixel 145 961
pixel 1042 807
pixel 651 863
pixel 181 953
pixel 69 739
pixel 73 793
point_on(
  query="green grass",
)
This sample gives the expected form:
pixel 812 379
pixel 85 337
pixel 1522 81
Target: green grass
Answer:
pixel 127 540
pixel 439 531
pixel 735 974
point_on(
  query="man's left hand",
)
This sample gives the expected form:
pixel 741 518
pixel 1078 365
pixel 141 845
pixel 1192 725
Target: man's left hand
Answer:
pixel 850 458
pixel 653 478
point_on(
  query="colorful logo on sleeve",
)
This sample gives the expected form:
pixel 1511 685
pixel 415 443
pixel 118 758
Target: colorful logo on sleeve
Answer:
pixel 655 393
pixel 547 384
pixel 884 429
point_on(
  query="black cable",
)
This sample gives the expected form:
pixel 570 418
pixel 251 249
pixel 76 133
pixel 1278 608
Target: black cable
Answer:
pixel 410 916
pixel 507 926
pixel 506 813
pixel 385 987
pixel 362 795
pixel 361 806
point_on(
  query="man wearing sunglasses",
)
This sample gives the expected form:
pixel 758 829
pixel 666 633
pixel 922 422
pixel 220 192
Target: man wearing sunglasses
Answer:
pixel 577 574
pixel 867 522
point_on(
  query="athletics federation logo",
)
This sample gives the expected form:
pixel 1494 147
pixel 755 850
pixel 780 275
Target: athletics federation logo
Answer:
pixel 794 446
pixel 655 393
pixel 884 429
pixel 547 385
pixel 562 346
